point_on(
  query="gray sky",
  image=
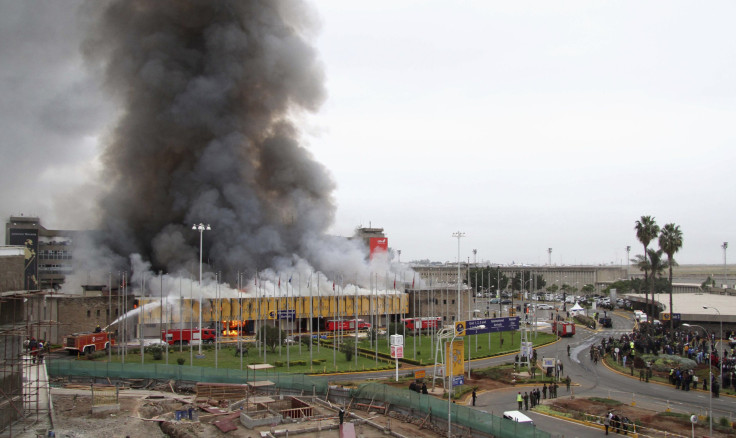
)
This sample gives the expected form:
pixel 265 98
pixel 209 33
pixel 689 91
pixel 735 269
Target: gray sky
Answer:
pixel 526 125
pixel 530 125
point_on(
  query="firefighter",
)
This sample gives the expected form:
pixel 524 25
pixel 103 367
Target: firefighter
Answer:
pixel 98 329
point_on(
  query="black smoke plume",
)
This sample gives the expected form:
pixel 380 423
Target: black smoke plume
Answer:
pixel 207 95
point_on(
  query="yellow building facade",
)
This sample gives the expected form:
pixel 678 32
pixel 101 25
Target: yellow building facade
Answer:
pixel 242 309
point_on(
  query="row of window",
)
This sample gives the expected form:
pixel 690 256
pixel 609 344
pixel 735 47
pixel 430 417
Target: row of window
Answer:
pixel 54 254
pixel 107 313
pixel 55 269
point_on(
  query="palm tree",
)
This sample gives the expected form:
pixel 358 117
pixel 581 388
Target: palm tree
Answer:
pixel 670 241
pixel 642 262
pixel 657 265
pixel 646 230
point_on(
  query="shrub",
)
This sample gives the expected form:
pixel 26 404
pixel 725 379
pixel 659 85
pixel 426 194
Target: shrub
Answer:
pixel 316 361
pixel 278 363
pixel 664 362
pixel 156 350
pixel 181 361
pixel 237 351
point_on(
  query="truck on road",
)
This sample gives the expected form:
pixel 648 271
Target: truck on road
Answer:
pixel 188 336
pixel 88 343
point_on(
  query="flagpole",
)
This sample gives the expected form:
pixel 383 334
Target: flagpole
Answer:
pixel 299 328
pixel 377 315
pixel 336 330
pixel 355 314
pixel 289 322
pixel 319 312
pixel 311 316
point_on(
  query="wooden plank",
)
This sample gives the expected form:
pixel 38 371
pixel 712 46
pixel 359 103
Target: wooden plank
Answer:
pixel 347 430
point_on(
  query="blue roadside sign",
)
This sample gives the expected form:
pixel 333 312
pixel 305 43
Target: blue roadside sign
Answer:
pixel 458 380
pixel 491 325
pixel 677 316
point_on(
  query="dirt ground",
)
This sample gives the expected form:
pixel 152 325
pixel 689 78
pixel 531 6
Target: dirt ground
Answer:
pixel 74 418
pixel 139 414
pixel 647 418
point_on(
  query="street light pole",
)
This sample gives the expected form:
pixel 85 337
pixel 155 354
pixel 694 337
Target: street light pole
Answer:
pixel 720 339
pixel 201 228
pixel 628 261
pixel 459 235
pixel 710 378
pixel 725 276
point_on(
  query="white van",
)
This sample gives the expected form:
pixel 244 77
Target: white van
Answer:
pixel 518 417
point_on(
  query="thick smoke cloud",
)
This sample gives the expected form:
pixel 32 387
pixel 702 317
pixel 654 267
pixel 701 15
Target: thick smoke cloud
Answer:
pixel 208 93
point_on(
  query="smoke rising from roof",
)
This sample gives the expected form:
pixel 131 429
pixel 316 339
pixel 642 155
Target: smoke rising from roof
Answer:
pixel 208 94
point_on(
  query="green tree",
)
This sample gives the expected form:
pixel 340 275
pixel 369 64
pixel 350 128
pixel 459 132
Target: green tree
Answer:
pixel 348 347
pixel 553 288
pixel 588 289
pixel 657 265
pixel 670 241
pixel 488 278
pixel 272 335
pixel 525 280
pixel 646 230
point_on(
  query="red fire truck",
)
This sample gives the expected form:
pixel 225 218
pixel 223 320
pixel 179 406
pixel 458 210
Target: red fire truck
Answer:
pixel 347 325
pixel 422 323
pixel 87 343
pixel 185 336
pixel 563 328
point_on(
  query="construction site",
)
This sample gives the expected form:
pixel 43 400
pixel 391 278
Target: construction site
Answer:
pixel 232 410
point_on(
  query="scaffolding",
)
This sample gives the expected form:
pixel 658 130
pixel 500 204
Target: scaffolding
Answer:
pixel 24 385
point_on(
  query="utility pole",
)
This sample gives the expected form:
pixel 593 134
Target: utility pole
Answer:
pixel 549 256
pixel 725 275
pixel 628 260
pixel 459 236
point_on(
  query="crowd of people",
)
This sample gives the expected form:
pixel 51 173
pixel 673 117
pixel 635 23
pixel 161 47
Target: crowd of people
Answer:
pixel 36 348
pixel 687 342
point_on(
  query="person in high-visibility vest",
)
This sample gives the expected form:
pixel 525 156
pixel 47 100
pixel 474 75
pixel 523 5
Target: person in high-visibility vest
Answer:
pixel 519 399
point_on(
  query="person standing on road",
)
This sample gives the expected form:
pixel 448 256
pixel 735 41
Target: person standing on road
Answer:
pixel 607 421
pixel 567 383
pixel 519 399
pixel 544 391
pixel 568 350
pixel 526 401
pixel 474 396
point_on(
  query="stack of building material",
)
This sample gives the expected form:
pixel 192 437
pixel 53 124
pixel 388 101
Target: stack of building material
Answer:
pixel 221 391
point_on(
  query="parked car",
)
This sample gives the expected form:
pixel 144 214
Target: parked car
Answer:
pixel 545 306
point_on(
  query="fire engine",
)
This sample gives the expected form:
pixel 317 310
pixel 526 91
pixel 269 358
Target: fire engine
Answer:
pixel 563 328
pixel 87 343
pixel 334 325
pixel 185 336
pixel 422 323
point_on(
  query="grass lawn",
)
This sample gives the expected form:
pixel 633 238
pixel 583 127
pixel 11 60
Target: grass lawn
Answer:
pixel 227 358
pixel 425 355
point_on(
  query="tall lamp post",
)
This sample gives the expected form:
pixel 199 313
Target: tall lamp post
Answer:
pixel 720 339
pixel 628 260
pixel 725 276
pixel 459 235
pixel 710 378
pixel 201 228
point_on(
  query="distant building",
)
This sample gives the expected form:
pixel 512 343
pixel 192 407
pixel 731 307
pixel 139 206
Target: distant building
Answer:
pixel 48 253
pixel 374 240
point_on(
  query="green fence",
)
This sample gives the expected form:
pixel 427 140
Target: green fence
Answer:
pixel 463 415
pixel 84 368
pixel 419 403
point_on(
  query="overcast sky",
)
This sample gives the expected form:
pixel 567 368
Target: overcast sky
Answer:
pixel 530 125
pixel 525 125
